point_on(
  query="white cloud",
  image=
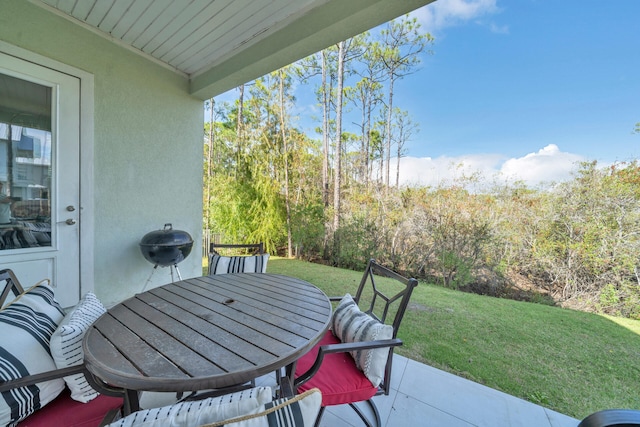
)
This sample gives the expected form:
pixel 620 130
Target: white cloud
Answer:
pixel 545 166
pixel 548 164
pixel 446 13
pixel 444 170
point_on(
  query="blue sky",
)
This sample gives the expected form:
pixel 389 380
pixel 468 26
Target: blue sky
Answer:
pixel 522 89
pixel 528 72
pixel 527 87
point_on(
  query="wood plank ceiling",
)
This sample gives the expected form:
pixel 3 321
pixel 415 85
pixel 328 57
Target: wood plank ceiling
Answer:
pixel 219 44
pixel 190 36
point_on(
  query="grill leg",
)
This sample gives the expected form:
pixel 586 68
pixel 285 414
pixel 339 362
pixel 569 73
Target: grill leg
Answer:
pixel 177 272
pixel 149 279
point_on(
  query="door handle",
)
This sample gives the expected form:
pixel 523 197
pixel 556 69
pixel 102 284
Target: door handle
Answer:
pixel 70 221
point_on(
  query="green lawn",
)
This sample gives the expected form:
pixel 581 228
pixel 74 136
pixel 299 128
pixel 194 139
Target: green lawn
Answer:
pixel 572 362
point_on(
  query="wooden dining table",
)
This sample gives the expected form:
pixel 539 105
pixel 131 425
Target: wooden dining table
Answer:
pixel 210 332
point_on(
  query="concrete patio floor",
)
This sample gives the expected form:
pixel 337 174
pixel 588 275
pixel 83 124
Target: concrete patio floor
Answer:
pixel 425 396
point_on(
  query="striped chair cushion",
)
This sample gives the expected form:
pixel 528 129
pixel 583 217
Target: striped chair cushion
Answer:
pixel 350 324
pixel 237 264
pixel 66 344
pixel 27 325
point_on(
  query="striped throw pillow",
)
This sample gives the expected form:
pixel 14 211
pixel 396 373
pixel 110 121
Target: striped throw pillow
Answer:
pixel 237 264
pixel 199 412
pixel 298 411
pixel 66 344
pixel 350 324
pixel 27 325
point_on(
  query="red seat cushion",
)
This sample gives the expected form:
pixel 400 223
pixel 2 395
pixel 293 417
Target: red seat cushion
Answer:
pixel 64 411
pixel 339 380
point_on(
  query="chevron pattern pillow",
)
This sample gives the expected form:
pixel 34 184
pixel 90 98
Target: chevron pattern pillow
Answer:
pixel 350 324
pixel 66 344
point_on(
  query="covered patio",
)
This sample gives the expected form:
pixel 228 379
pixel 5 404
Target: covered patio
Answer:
pixel 143 70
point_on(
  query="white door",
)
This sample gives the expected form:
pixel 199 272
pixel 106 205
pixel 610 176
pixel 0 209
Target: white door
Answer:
pixel 39 172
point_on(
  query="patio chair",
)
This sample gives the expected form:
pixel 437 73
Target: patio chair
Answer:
pixel 352 363
pixel 31 387
pixel 11 285
pixel 612 418
pixel 252 260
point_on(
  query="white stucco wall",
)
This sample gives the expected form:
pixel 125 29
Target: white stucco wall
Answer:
pixel 147 168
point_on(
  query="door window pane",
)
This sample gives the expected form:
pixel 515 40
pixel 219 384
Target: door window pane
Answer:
pixel 25 164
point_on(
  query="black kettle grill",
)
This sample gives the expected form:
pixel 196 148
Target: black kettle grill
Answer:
pixel 166 248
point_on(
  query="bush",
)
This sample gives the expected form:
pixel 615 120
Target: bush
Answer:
pixel 589 242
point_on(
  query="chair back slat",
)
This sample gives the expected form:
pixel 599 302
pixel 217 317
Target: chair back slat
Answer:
pixel 11 285
pixel 250 248
pixel 369 284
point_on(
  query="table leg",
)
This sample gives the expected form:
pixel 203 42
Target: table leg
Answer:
pixel 131 402
pixel 286 381
pixel 131 397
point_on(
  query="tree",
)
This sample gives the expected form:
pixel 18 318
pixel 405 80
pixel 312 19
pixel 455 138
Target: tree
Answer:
pixel 366 96
pixel 400 49
pixel 326 90
pixel 309 67
pixel 338 156
pixel 285 155
pixel 590 243
pixel 402 131
pixel 210 105
pixel 347 51
pixel 240 122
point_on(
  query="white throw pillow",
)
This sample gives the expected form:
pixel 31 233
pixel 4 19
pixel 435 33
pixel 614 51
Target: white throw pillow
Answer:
pixel 350 324
pixel 199 412
pixel 66 344
pixel 27 325
pixel 219 264
pixel 299 411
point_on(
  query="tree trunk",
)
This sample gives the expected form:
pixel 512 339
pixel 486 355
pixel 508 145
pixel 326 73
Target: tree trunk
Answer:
pixel 364 142
pixel 388 132
pixel 285 149
pixel 239 127
pixel 398 165
pixel 325 133
pixel 209 163
pixel 338 152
